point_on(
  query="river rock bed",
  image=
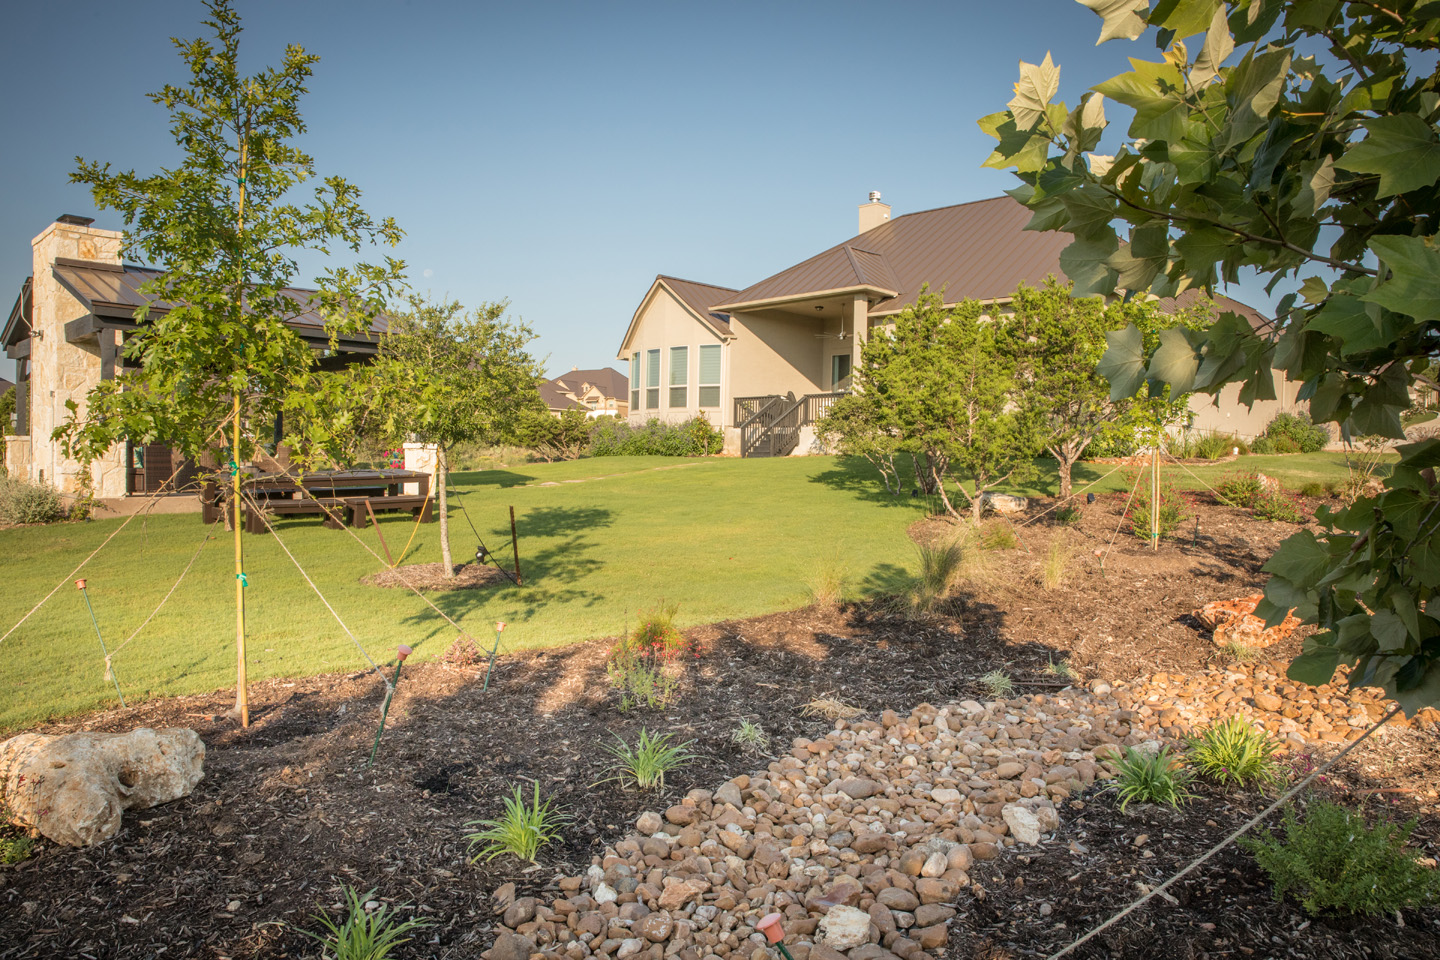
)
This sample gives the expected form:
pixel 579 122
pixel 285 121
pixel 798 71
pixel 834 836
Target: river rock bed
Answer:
pixel 864 839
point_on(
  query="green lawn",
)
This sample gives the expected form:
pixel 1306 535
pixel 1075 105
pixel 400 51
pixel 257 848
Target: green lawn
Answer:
pixel 601 540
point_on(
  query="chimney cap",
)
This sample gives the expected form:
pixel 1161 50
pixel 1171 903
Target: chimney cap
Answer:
pixel 874 196
pixel 74 221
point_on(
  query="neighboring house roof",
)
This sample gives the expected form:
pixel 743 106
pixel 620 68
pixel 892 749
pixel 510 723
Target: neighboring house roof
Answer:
pixel 978 250
pixel 699 298
pixel 1258 321
pixel 609 381
pixel 112 291
pixel 554 399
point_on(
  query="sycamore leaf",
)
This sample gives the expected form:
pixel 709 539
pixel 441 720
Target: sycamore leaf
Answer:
pixel 1348 320
pixel 1315 666
pixel 1253 89
pixel 1414 285
pixel 1402 149
pixel 1154 91
pixel 1316 191
pixel 1301 559
pixel 1314 290
pixel 1175 362
pixel 1388 630
pixel 1038 83
pixel 1091 211
pixel 1124 362
pixel 1186 17
pixel 1219 44
pixel 1124 19
pixel 1025 152
pixel 1085 264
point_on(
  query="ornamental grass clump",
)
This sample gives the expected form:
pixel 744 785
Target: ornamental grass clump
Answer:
pixel 940 567
pixel 645 764
pixel 524 827
pixel 1151 778
pixel 1233 752
pixel 750 737
pixel 1335 863
pixel 364 934
pixel 997 684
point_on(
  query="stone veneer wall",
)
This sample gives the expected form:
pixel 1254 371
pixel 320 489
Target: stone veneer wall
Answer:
pixel 62 371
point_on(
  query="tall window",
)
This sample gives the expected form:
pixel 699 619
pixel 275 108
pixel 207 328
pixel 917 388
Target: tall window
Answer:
pixel 635 380
pixel 839 369
pixel 652 379
pixel 679 376
pixel 709 383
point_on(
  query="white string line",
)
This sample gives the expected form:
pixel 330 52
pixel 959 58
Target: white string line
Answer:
pixel 204 540
pixel 1232 837
pixel 358 645
pixel 1061 503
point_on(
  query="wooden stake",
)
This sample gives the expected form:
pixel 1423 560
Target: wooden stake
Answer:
pixel 1155 496
pixel 515 545
pixel 378 532
pixel 242 692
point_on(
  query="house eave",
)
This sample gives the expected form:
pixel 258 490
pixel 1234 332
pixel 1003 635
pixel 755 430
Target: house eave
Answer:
pixel 870 292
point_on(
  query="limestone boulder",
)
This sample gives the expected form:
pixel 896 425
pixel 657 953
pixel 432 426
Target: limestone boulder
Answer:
pixel 1003 504
pixel 74 788
pixel 1235 621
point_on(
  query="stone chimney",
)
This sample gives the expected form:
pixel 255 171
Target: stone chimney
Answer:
pixel 873 213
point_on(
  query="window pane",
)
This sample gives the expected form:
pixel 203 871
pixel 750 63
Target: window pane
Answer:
pixel 652 368
pixel 709 396
pixel 839 368
pixel 652 398
pixel 679 367
pixel 710 365
pixel 635 369
pixel 677 396
pixel 635 399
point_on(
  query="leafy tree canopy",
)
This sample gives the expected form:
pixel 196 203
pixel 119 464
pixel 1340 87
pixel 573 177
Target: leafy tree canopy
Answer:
pixel 1297 140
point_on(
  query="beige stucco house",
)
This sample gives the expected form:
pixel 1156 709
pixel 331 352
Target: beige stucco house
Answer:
pixel 66 332
pixel 794 337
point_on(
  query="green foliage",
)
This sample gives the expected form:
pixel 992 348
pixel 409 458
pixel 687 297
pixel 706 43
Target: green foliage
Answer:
pixel 1055 566
pixel 524 827
pixel 551 437
pixel 1238 652
pixel 364 934
pixel 1276 505
pixel 828 581
pixel 940 566
pixel 1070 514
pixel 1334 862
pixel 1292 433
pixel 645 764
pixel 224 333
pixel 24 502
pixel 1060 669
pixel 644 666
pixel 1172 508
pixel 1204 446
pixel 7 410
pixel 1241 489
pixel 750 737
pixel 1298 141
pixel 999 536
pixel 15 849
pixel 1058 339
pixel 856 426
pixel 997 684
pixel 1151 778
pixel 1235 752
pixel 657 438
pixel 941 382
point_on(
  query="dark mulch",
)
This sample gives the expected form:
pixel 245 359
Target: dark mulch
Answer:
pixel 431 576
pixel 286 813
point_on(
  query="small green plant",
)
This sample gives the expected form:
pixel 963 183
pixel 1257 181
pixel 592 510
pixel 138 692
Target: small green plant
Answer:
pixel 997 684
pixel 24 502
pixel 1239 652
pixel 645 764
pixel 940 566
pixel 1333 862
pixel 1241 489
pixel 1313 488
pixel 999 536
pixel 827 584
pixel 750 737
pixel 1276 506
pixel 1070 514
pixel 1056 564
pixel 1172 511
pixel 645 666
pixel 1234 752
pixel 15 849
pixel 1293 433
pixel 364 934
pixel 1060 669
pixel 1151 778
pixel 524 827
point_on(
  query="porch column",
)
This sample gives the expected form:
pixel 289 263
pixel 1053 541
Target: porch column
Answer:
pixel 860 323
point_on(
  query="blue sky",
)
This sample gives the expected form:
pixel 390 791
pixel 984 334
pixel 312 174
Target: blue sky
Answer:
pixel 561 155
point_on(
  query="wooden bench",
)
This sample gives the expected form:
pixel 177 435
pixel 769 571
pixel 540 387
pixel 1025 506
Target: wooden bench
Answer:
pixel 332 510
pixel 419 505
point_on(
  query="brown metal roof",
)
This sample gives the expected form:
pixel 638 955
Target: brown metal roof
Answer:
pixel 701 297
pixel 114 291
pixel 611 382
pixel 978 250
pixel 554 399
pixel 1258 322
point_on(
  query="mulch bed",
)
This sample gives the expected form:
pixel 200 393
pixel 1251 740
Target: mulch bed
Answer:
pixel 286 813
pixel 431 576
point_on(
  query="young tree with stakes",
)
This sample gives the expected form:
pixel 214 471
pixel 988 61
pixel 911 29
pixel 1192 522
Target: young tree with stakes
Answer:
pixel 446 376
pixel 1301 141
pixel 218 359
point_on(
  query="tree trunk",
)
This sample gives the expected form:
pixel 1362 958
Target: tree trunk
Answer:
pixel 442 467
pixel 924 475
pixel 937 480
pixel 1065 464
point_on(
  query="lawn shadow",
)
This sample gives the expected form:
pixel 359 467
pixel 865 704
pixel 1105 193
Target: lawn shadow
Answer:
pixel 855 475
pixel 489 478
